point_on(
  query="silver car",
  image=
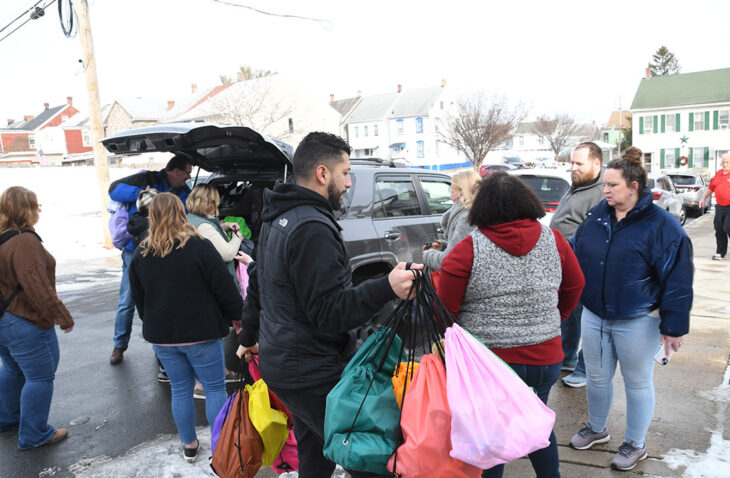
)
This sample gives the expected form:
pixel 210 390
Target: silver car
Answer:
pixel 691 187
pixel 665 195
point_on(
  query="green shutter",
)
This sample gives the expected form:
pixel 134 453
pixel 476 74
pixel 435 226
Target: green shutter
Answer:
pixel 691 121
pixel 707 157
pixel 655 126
pixel 715 119
pixel 676 123
pixel 663 120
pixel 690 158
pixel 707 120
pixel 641 125
pixel 676 157
pixel 661 159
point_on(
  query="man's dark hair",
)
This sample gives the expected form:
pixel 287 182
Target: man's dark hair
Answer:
pixel 503 198
pixel 593 150
pixel 315 149
pixel 178 162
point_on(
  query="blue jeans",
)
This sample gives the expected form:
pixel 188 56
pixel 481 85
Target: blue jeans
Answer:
pixel 29 358
pixel 570 334
pixel 633 344
pixel 185 362
pixel 125 308
pixel 541 378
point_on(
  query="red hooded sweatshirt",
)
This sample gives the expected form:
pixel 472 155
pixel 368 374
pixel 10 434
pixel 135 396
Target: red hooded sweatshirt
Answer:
pixel 517 238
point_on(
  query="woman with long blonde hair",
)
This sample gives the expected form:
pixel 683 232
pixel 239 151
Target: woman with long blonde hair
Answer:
pixel 455 221
pixel 28 344
pixel 187 301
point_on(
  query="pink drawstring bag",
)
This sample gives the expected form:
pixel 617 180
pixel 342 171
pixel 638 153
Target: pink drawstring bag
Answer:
pixel 242 275
pixel 495 417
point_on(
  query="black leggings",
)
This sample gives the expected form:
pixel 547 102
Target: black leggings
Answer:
pixel 722 228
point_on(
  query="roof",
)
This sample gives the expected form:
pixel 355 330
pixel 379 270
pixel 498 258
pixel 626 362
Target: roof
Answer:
pixel 416 102
pixel 374 108
pixel 141 109
pixel 345 106
pixel 619 119
pixel 42 118
pixel 525 128
pixel 683 89
pixel 586 129
pixel 192 101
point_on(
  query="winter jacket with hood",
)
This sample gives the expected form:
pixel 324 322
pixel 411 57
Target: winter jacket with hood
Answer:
pixel 517 238
pixel 304 287
pixel 456 226
pixel 637 265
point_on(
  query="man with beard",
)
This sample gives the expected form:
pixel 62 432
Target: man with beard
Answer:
pixel 585 192
pixel 303 288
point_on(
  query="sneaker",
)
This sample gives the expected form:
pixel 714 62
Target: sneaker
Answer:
pixel 117 355
pixel 575 380
pixel 568 367
pixel 586 438
pixel 232 377
pixel 199 393
pixel 718 257
pixel 162 377
pixel 60 434
pixel 628 456
pixel 191 454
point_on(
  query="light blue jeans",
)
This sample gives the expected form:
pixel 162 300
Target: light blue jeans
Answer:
pixel 633 344
pixel 182 364
pixel 29 358
pixel 125 307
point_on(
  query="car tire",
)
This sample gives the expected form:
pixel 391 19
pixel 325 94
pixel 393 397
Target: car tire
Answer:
pixel 682 216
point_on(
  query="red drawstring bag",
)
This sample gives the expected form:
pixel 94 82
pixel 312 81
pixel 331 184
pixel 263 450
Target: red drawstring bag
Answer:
pixel 426 425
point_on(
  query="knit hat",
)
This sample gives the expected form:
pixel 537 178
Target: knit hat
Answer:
pixel 144 199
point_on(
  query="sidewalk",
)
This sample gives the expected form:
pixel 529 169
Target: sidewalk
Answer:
pixel 690 432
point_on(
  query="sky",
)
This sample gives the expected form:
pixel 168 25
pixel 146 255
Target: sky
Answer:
pixel 583 58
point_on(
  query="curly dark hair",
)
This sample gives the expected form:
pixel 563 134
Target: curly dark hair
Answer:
pixel 631 167
pixel 504 198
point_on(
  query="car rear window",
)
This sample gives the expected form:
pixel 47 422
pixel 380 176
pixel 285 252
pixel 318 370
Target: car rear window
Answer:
pixel 650 183
pixel 548 190
pixel 683 180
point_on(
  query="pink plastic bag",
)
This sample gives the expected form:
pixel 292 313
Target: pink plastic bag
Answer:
pixel 242 275
pixel 495 417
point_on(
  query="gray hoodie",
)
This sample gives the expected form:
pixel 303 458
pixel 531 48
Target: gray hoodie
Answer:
pixel 574 207
pixel 456 226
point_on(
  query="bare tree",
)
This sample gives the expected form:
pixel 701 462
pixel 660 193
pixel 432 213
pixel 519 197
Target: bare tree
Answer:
pixel 557 130
pixel 479 124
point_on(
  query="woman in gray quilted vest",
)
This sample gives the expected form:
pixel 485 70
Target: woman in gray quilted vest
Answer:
pixel 511 282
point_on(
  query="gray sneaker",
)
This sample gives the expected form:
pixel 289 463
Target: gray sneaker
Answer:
pixel 586 438
pixel 628 456
pixel 575 380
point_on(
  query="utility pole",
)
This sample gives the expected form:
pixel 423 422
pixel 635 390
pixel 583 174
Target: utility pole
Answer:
pixel 92 87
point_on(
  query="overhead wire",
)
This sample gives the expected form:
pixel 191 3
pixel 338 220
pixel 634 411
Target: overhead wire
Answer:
pixel 26 11
pixel 326 23
pixel 26 21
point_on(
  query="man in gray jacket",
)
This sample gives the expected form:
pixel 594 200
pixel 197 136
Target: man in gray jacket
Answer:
pixel 585 192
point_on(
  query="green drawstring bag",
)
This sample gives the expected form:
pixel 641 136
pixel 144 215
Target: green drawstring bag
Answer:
pixel 362 418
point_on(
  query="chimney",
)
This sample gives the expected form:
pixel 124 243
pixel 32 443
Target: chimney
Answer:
pixel 10 121
pixel 170 105
pixel 241 76
pixel 27 118
pixel 648 73
pixel 45 105
pixel 400 87
pixel 332 97
pixel 70 100
pixel 194 87
pixel 443 82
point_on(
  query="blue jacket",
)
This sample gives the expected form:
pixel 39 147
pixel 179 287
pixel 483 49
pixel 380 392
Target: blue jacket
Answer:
pixel 126 190
pixel 637 265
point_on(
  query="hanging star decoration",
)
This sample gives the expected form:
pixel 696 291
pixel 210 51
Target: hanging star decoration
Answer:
pixel 684 139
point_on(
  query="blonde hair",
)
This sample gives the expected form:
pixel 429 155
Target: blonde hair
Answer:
pixel 168 224
pixel 18 208
pixel 203 200
pixel 465 182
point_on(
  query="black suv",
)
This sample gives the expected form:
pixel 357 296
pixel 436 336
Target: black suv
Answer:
pixel 387 216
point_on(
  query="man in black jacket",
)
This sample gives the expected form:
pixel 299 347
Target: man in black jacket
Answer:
pixel 305 292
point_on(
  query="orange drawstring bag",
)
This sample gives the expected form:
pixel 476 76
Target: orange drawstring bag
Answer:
pixel 400 380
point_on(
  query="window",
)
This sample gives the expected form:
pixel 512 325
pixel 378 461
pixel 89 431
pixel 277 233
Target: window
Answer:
pixel 540 140
pixel 365 131
pixel 438 194
pixel 291 125
pixel 664 183
pixel 605 137
pixel 648 124
pixel 698 156
pixel 357 131
pixel 31 141
pixel 436 124
pixel 669 158
pixel 375 130
pixel 395 197
pixel 419 149
pixel 442 105
pixel 399 127
pixel 64 119
pixel 522 140
pixel 438 148
pixel 724 119
pixel 671 125
pixel 699 120
pixel 419 125
pixel 86 137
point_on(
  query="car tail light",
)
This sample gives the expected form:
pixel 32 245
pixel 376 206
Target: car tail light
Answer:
pixel 551 206
pixel 657 195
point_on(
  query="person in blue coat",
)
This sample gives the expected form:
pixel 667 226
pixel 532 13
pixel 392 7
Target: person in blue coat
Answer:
pixel 637 262
pixel 126 191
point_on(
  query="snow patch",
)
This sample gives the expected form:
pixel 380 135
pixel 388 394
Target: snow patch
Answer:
pixel 715 462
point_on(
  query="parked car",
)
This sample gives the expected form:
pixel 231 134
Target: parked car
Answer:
pixel 691 187
pixel 549 185
pixel 387 216
pixel 486 170
pixel 516 162
pixel 665 195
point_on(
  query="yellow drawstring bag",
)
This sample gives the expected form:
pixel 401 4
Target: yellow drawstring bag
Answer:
pixel 269 422
pixel 399 380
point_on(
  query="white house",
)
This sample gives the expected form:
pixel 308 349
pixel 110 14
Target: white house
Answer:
pixel 683 120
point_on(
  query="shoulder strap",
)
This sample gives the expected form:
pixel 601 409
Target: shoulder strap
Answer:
pixel 7 235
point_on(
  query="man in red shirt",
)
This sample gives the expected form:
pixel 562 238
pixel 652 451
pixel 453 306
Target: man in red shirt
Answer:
pixel 720 185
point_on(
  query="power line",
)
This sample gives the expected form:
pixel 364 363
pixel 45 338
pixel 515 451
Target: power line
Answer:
pixel 19 16
pixel 30 17
pixel 327 24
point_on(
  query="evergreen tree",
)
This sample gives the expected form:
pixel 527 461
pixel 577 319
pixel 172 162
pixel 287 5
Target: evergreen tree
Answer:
pixel 664 63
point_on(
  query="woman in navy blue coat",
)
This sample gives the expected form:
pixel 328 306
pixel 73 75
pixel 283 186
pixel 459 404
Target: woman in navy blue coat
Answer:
pixel 637 262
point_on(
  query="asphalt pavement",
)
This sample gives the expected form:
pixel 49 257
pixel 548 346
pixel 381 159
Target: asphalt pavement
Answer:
pixel 120 423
